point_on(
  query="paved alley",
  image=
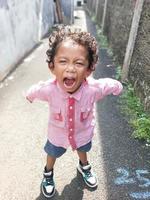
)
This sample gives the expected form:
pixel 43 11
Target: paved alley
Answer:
pixel 120 162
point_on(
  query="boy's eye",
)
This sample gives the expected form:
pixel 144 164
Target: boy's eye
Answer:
pixel 79 64
pixel 63 61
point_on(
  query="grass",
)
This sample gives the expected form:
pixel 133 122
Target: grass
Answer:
pixel 138 118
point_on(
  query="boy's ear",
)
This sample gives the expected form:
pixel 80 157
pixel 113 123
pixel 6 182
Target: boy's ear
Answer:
pixel 51 66
pixel 88 72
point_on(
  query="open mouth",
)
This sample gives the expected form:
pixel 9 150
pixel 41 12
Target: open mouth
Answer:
pixel 69 82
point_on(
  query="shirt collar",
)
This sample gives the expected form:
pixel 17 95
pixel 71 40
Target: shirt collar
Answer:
pixel 76 95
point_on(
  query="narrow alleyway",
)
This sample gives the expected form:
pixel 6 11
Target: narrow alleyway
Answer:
pixel 120 162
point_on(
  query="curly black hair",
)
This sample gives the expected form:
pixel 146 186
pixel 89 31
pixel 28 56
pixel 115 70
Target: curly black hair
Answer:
pixel 81 37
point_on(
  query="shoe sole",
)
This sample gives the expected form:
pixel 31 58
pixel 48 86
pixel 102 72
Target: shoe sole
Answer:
pixel 91 186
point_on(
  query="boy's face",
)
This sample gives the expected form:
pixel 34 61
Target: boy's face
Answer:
pixel 71 65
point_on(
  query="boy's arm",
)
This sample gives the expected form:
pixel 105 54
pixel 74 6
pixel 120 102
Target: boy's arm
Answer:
pixel 111 86
pixel 106 86
pixel 38 91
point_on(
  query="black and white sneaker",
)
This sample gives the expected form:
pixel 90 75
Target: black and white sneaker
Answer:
pixel 88 176
pixel 48 185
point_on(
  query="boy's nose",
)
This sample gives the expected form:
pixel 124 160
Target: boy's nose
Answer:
pixel 70 68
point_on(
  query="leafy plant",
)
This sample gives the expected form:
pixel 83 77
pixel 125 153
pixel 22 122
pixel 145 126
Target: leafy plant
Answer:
pixel 102 39
pixel 110 52
pixel 93 18
pixel 118 73
pixel 142 128
pixel 139 119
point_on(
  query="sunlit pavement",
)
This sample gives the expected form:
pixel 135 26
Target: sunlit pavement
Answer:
pixel 23 134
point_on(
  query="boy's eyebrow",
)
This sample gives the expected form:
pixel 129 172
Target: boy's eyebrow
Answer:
pixel 60 57
pixel 64 57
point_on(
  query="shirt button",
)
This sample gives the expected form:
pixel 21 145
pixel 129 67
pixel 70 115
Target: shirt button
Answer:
pixel 70 107
pixel 70 119
pixel 71 129
pixel 70 137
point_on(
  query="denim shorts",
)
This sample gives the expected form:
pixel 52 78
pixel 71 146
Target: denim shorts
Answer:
pixel 56 152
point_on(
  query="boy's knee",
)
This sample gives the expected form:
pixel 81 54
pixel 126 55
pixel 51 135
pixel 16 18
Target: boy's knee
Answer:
pixel 85 148
pixel 53 150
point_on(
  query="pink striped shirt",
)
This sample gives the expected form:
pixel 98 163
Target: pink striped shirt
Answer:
pixel 71 118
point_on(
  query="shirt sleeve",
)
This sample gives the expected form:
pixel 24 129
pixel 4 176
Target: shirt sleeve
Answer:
pixel 38 91
pixel 106 86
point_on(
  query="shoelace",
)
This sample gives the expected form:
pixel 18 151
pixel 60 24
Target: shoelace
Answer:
pixel 49 181
pixel 88 173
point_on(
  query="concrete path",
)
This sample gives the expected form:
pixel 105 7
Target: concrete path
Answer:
pixel 118 160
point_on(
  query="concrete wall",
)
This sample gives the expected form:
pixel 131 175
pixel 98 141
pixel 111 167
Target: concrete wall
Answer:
pixel 91 6
pixel 118 22
pixel 67 9
pixel 96 8
pixel 46 17
pixel 117 25
pixel 100 9
pixel 139 71
pixel 22 24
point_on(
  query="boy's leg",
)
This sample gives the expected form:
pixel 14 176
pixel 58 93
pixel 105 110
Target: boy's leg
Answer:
pixel 50 163
pixel 82 157
pixel 53 152
pixel 85 168
pixel 48 185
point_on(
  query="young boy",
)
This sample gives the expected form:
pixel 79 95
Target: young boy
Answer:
pixel 72 56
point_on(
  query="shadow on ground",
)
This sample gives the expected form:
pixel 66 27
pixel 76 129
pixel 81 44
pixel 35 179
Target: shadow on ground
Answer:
pixel 72 191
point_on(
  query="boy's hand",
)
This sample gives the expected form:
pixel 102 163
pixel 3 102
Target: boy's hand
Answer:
pixel 25 96
pixel 28 99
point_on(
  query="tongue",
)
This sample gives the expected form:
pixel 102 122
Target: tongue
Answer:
pixel 69 82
